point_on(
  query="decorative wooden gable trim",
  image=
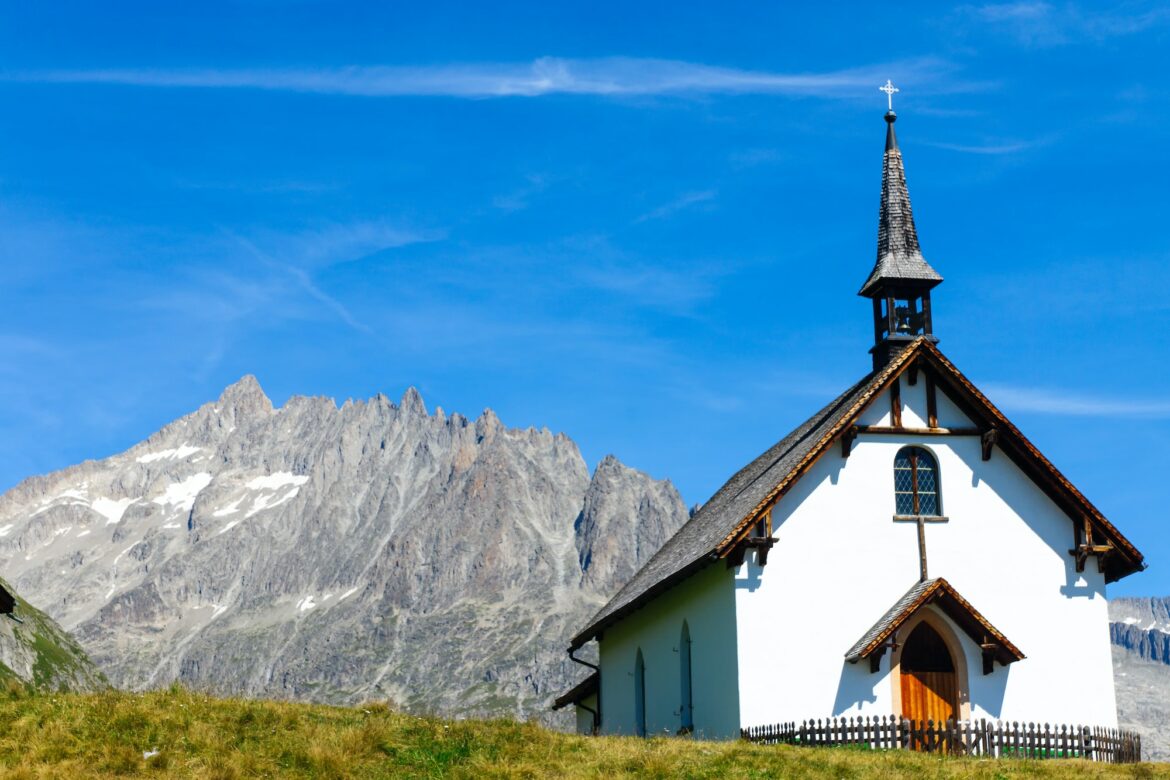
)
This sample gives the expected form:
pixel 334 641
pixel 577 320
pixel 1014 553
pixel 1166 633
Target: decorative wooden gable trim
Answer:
pixel 994 430
pixel 835 432
pixel 883 634
pixel 1002 434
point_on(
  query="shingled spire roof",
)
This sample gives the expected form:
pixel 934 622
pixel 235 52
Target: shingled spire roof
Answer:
pixel 899 257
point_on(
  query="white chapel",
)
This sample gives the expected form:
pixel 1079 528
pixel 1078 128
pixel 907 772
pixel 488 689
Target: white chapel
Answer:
pixel 905 551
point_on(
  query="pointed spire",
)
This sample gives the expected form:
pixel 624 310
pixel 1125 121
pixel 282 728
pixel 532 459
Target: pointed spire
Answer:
pixel 899 257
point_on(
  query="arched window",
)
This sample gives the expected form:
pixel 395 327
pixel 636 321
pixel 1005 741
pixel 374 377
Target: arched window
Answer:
pixel 916 482
pixel 687 710
pixel 639 695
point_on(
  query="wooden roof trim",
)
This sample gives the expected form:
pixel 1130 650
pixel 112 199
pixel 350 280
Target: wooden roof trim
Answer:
pixel 891 370
pixel 926 597
pixel 1006 426
pixel 983 622
pixel 897 622
pixel 895 368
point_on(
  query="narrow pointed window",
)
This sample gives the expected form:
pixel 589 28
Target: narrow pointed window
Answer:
pixel 916 482
pixel 639 695
pixel 687 710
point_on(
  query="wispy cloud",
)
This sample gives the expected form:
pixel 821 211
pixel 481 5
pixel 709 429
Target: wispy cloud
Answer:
pixel 680 203
pixel 293 255
pixel 750 158
pixel 1048 401
pixel 611 76
pixel 1005 147
pixel 341 242
pixel 518 199
pixel 271 276
pixel 1038 23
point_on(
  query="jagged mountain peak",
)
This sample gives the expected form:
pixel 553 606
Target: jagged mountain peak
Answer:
pixel 609 462
pixel 245 394
pixel 332 554
pixel 412 402
pixel 488 425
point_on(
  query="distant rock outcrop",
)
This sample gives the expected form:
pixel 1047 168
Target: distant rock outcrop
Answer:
pixel 1149 645
pixel 371 551
pixel 1140 631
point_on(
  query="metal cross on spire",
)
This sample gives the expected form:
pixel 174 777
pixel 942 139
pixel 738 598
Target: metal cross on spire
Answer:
pixel 890 89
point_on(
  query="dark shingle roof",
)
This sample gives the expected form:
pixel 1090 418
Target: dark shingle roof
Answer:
pixel 957 608
pixel 899 256
pixel 689 549
pixel 889 621
pixel 581 690
pixel 715 527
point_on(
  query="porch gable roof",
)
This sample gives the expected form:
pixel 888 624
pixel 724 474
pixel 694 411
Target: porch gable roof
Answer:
pixel 943 595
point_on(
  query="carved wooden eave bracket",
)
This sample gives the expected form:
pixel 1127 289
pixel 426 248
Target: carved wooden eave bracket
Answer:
pixel 990 649
pixel 988 440
pixel 847 439
pixel 875 658
pixel 761 544
pixel 1086 546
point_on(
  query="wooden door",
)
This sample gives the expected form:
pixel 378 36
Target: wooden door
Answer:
pixel 929 696
pixel 930 686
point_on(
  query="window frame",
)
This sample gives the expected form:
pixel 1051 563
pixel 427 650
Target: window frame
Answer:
pixel 912 453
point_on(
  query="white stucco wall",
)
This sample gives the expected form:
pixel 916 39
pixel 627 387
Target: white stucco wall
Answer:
pixel 707 602
pixel 840 562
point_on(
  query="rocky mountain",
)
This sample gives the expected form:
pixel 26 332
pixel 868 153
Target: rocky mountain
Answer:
pixel 370 551
pixel 36 653
pixel 1140 631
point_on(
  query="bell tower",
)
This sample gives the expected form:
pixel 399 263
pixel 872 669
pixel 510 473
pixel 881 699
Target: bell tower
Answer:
pixel 901 280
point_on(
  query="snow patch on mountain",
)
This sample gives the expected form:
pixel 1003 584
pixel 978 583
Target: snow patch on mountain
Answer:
pixel 176 453
pixel 112 509
pixel 276 481
pixel 183 493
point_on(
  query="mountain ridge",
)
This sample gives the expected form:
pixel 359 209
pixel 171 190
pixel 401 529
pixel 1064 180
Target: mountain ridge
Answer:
pixel 333 553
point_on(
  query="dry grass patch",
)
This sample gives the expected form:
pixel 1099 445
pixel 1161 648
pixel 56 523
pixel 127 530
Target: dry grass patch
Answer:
pixel 191 735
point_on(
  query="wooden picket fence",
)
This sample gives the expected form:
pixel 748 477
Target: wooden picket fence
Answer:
pixel 960 738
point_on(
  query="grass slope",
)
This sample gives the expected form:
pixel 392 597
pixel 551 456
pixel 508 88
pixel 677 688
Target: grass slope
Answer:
pixel 37 653
pixel 106 734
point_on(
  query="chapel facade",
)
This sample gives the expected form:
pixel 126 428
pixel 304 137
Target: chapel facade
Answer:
pixel 905 551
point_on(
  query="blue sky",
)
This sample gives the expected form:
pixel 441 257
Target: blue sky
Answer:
pixel 643 226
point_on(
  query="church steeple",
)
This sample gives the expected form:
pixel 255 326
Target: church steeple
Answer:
pixel 901 280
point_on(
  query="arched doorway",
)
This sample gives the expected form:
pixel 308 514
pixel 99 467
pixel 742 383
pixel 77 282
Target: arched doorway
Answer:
pixel 930 685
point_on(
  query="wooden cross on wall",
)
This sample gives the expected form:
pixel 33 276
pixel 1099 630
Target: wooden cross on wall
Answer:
pixel 921 521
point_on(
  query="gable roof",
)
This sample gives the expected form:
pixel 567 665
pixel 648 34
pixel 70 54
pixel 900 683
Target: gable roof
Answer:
pixel 582 690
pixel 958 609
pixel 722 522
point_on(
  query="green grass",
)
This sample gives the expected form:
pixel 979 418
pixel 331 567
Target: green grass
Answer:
pixel 58 662
pixel 105 735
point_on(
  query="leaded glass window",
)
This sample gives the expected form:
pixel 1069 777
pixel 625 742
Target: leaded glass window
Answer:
pixel 916 482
